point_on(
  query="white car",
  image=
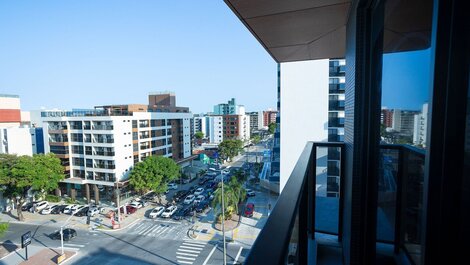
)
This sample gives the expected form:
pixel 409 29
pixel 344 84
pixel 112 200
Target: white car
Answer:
pixel 93 211
pixel 199 191
pixel 77 208
pixel 169 211
pixel 172 186
pixel 69 208
pixel 156 212
pixel 41 205
pixel 189 199
pixel 199 199
pixel 250 193
pixel 136 204
pixel 48 209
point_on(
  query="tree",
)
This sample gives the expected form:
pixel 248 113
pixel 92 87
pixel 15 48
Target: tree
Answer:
pixel 234 193
pixel 230 148
pixel 272 128
pixel 154 173
pixel 3 228
pixel 255 139
pixel 199 135
pixel 18 174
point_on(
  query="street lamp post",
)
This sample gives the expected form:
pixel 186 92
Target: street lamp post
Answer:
pixel 118 195
pixel 62 231
pixel 223 221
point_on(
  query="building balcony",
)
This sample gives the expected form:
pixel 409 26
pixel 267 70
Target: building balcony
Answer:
pixel 99 153
pixel 303 217
pixel 103 127
pixel 336 122
pixel 337 88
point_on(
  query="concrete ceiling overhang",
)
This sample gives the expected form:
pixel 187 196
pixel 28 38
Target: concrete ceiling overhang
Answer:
pixel 296 30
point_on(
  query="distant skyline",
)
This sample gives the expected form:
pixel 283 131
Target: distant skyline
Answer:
pixel 61 54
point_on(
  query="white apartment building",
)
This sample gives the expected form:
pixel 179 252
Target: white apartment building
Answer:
pixel 16 140
pixel 420 126
pixel 211 127
pixel 101 149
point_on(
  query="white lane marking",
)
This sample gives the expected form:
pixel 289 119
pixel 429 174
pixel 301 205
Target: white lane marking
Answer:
pixel 195 242
pixel 74 245
pixel 210 255
pixel 238 255
pixel 132 225
pixel 186 254
pixel 145 230
pixel 185 262
pixel 178 257
pixel 190 251
pixel 140 225
pixel 162 231
pixel 195 248
pixel 152 231
pixel 192 244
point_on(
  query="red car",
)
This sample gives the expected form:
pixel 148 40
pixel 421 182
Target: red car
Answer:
pixel 249 209
pixel 129 209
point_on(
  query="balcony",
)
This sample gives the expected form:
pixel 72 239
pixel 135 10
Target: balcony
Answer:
pixel 101 153
pixel 105 166
pixel 336 122
pixel 337 88
pixel 303 216
pixel 103 127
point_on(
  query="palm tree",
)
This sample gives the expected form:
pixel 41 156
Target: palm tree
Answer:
pixel 230 198
pixel 239 192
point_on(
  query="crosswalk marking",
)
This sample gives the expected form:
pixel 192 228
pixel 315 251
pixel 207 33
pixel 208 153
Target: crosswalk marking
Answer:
pixel 195 248
pixel 185 262
pixel 193 244
pixel 190 251
pixel 144 231
pixel 186 254
pixel 188 258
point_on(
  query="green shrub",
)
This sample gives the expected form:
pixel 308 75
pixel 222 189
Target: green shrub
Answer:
pixel 52 198
pixel 3 228
pixel 70 201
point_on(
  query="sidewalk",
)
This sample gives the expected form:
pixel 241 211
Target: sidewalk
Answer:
pixel 36 256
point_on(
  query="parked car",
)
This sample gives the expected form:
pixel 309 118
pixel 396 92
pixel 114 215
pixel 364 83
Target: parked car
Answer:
pixel 93 211
pixel 193 189
pixel 180 195
pixel 136 204
pixel 68 233
pixel 199 199
pixel 250 193
pixel 27 206
pixel 59 209
pixel 143 203
pixel 129 209
pixel 172 186
pixel 41 205
pixel 156 212
pixel 48 209
pixel 189 199
pixel 186 211
pixel 169 211
pixel 199 191
pixel 83 211
pixel 202 181
pixel 70 208
pixel 249 209
pixel 202 206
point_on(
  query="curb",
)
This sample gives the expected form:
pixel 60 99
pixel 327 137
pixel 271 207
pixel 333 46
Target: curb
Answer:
pixel 69 258
pixel 122 228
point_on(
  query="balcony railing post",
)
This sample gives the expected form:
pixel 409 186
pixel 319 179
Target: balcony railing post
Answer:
pixel 341 191
pixel 312 180
pixel 304 209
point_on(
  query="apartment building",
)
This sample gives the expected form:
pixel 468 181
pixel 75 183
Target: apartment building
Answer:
pixel 236 127
pixel 211 127
pixel 269 116
pixel 100 149
pixel 386 117
pixel 336 86
pixel 420 126
pixel 256 120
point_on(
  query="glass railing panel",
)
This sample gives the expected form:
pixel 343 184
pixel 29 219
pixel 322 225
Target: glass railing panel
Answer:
pixel 387 194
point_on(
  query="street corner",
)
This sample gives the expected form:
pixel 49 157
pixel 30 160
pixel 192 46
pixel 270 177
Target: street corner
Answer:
pixel 49 256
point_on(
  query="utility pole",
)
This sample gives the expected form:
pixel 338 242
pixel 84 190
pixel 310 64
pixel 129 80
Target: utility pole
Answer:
pixel 223 220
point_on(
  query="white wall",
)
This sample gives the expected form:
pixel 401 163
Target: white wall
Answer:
pixel 302 120
pixel 16 140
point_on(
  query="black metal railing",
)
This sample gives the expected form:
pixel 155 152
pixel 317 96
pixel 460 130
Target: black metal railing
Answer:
pixel 301 210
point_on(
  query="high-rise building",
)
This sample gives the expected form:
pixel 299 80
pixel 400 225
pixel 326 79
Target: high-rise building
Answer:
pixel 269 116
pixel 421 126
pixel 16 140
pixel 403 121
pixel 256 120
pixel 211 127
pixel 336 86
pixel 229 108
pixel 236 127
pixel 386 117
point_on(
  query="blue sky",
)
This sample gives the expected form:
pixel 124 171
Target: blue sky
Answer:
pixel 406 79
pixel 78 54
